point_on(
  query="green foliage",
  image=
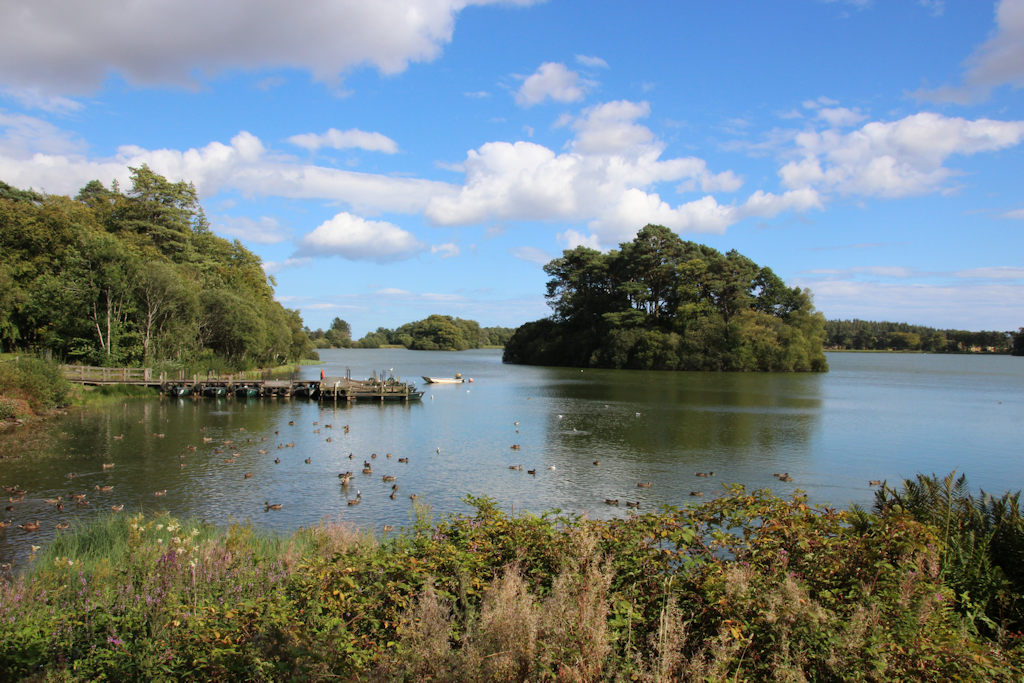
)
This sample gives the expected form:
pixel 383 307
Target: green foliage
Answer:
pixel 437 333
pixel 1018 342
pixel 659 303
pixel 747 586
pixel 863 335
pixel 114 278
pixel 982 547
pixel 29 381
pixel 337 336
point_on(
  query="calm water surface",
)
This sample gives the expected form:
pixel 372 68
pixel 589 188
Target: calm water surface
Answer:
pixel 874 416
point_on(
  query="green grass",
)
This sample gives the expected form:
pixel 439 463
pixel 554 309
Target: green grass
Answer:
pixel 92 396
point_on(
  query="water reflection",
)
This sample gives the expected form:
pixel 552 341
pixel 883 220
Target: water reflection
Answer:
pixel 872 417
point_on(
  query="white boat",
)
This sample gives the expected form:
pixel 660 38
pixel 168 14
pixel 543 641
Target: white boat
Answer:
pixel 457 379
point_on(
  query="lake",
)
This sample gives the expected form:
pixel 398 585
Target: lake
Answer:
pixel 873 416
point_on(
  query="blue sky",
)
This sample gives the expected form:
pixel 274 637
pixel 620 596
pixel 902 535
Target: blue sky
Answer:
pixel 392 159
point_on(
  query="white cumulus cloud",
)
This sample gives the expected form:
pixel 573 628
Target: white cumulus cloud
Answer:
pixel 71 47
pixel 357 239
pixel 608 178
pixel 551 80
pixel 446 250
pixel 996 62
pixel 345 139
pixel 893 159
pixel 35 154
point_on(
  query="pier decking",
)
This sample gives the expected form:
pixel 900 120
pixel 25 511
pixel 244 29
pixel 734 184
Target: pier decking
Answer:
pixel 332 389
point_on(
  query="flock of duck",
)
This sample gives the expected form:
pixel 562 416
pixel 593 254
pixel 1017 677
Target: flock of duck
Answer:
pixel 60 503
pixel 73 500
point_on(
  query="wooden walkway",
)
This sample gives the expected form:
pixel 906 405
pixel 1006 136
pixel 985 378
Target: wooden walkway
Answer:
pixel 327 389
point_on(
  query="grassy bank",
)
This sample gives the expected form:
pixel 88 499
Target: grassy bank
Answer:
pixel 87 396
pixel 745 587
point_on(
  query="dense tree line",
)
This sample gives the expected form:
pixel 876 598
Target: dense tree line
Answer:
pixel 864 335
pixel 662 303
pixel 337 336
pixel 135 277
pixel 437 333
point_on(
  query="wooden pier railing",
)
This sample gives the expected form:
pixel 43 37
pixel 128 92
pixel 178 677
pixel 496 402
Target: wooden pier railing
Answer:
pixel 87 374
pixel 326 389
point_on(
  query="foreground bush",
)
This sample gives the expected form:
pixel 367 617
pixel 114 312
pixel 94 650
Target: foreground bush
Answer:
pixel 32 382
pixel 745 587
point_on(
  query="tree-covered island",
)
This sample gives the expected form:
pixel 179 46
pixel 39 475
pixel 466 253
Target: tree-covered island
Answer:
pixel 661 303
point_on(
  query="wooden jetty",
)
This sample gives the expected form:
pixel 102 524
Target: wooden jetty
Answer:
pixel 333 389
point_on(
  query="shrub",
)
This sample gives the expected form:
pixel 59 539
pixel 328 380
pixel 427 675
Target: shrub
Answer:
pixel 747 587
pixel 40 383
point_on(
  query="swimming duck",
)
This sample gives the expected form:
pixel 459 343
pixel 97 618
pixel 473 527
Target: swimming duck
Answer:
pixel 611 501
pixel 29 526
pixel 643 485
pixel 705 474
pixel 388 527
pixel 875 482
pixel 103 488
pixel 117 508
pixel 696 493
pixel 107 465
pixel 61 526
pixel 248 475
pixel 388 477
pixel 405 460
pixel 275 506
pixel 516 467
pixel 160 493
pixel 632 504
pixel 309 460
